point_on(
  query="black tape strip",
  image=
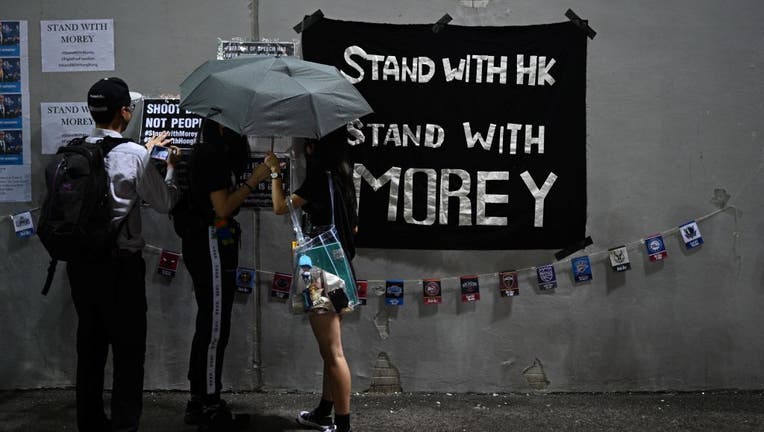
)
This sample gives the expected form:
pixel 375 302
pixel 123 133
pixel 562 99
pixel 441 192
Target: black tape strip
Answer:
pixel 308 21
pixel 573 248
pixel 581 23
pixel 438 26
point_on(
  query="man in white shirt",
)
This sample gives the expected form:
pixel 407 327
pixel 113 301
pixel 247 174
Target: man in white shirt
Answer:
pixel 109 294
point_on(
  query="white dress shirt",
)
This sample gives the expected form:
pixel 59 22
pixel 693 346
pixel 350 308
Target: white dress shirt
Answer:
pixel 133 179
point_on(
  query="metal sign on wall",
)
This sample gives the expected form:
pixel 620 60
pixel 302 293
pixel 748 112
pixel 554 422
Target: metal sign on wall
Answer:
pixel 228 49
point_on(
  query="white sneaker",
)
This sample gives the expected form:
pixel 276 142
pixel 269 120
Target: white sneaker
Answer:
pixel 307 418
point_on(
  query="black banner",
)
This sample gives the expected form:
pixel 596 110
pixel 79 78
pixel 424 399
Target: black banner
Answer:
pixel 478 137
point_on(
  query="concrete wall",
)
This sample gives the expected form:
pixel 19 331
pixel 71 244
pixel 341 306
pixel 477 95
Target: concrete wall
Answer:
pixel 674 112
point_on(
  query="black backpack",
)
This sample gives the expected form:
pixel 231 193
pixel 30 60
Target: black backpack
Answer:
pixel 75 218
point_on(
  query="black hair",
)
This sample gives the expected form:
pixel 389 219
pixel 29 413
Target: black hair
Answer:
pixel 235 145
pixel 104 117
pixel 330 154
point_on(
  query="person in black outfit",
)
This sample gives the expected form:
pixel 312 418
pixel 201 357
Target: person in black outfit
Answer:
pixel 210 230
pixel 109 292
pixel 313 196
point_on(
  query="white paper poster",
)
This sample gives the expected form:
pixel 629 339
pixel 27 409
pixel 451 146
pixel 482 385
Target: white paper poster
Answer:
pixel 62 121
pixel 15 149
pixel 77 45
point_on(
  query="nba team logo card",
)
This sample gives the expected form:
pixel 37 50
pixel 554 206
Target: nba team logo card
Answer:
pixel 280 286
pixel 168 263
pixel 431 291
pixel 547 279
pixel 470 288
pixel 656 248
pixel 582 269
pixel 23 225
pixel 619 259
pixel 363 290
pixel 691 235
pixel 508 284
pixel 394 292
pixel 245 280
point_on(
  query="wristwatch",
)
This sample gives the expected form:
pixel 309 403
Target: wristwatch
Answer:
pixel 275 175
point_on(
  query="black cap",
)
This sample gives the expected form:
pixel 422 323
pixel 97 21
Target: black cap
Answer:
pixel 108 95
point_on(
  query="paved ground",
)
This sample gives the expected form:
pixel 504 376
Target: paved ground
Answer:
pixel 53 410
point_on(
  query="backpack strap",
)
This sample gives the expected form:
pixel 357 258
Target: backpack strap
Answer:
pixel 108 143
pixel 49 279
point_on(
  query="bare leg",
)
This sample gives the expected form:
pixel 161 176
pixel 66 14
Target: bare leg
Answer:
pixel 325 393
pixel 327 330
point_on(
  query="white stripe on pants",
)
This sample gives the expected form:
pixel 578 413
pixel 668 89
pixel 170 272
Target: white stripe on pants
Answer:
pixel 217 306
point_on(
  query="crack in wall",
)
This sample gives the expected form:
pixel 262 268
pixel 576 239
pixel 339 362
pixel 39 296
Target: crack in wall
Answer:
pixel 535 377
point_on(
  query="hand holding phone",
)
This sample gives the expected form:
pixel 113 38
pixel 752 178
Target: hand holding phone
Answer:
pixel 160 153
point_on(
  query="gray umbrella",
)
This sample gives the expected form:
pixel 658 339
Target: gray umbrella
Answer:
pixel 273 96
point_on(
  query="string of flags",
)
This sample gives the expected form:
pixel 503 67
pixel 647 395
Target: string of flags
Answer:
pixel 432 288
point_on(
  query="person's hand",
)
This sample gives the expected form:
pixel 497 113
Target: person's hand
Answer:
pixel 160 140
pixel 272 162
pixel 174 156
pixel 261 173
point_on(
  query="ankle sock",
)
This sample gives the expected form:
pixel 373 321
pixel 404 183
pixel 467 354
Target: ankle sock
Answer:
pixel 342 421
pixel 324 408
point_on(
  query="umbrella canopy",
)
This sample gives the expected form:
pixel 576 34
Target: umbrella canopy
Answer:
pixel 273 96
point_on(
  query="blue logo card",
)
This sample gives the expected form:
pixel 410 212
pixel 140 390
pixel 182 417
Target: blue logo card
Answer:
pixel 23 225
pixel 245 280
pixel 394 292
pixel 656 248
pixel 582 269
pixel 547 279
pixel 691 235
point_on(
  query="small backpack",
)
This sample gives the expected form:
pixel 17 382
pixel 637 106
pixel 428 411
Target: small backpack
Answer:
pixel 75 217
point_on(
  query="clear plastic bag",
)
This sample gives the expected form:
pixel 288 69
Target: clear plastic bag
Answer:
pixel 323 280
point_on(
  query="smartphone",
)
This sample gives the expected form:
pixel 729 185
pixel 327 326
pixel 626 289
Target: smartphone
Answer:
pixel 160 153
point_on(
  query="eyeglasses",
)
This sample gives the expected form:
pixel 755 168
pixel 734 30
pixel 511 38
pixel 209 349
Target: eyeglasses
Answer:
pixel 131 107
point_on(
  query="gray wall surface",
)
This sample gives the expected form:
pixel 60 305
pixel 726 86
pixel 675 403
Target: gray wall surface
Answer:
pixel 674 111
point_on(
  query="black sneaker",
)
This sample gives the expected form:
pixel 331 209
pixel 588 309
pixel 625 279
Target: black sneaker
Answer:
pixel 218 418
pixel 194 412
pixel 308 418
